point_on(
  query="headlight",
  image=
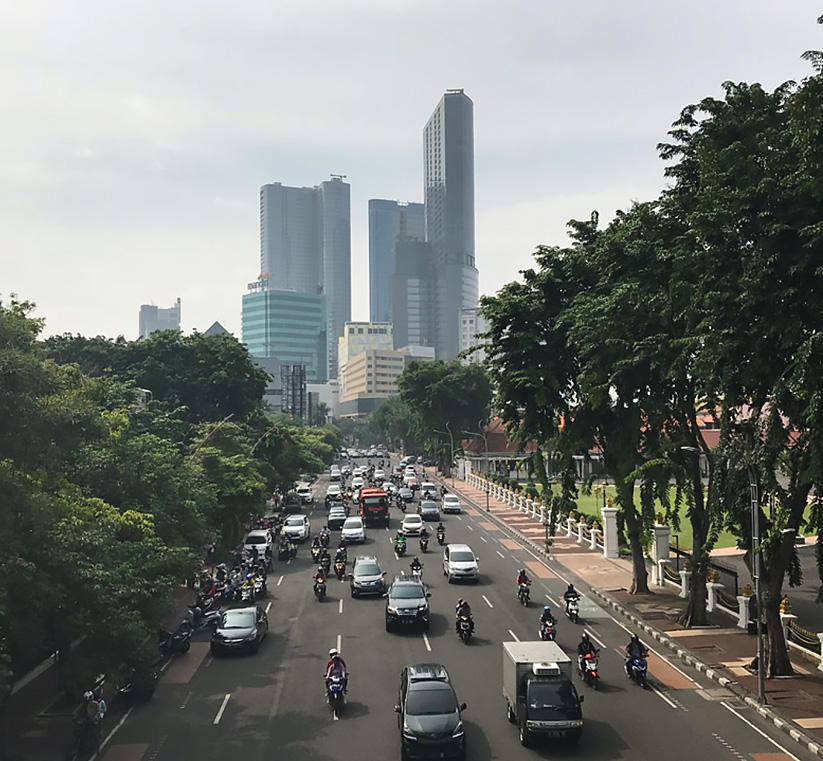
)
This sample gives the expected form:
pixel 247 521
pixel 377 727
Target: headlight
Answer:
pixel 422 608
pixel 391 609
pixel 458 730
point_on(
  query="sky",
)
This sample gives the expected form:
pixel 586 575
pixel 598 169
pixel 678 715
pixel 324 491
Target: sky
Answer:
pixel 135 134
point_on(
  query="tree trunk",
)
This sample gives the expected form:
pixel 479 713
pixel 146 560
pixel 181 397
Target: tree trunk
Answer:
pixel 695 613
pixel 640 576
pixel 776 649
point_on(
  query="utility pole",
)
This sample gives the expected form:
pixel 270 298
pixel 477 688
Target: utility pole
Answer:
pixel 480 432
pixel 761 664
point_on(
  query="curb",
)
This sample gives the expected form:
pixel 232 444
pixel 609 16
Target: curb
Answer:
pixel 785 725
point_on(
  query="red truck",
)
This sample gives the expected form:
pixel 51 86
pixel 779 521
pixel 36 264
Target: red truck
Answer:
pixel 374 507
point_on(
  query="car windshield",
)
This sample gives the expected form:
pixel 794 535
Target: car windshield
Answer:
pixel 412 519
pixel 353 523
pixel 428 506
pixel 551 695
pixel 407 591
pixel 238 619
pixel 368 569
pixel 461 556
pixel 450 498
pixel 255 540
pixel 430 702
pixel 295 520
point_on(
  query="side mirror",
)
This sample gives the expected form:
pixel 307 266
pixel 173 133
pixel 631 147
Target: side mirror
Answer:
pixel 462 706
pixel 582 698
pixel 397 709
pixel 428 594
pixel 384 573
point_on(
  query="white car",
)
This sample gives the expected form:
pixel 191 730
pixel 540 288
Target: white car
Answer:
pixel 410 471
pixel 428 486
pixel 333 490
pixel 356 482
pixel 460 563
pixel 451 504
pixel 412 523
pixel 296 527
pixel 306 494
pixel 353 531
pixel 379 474
pixel 260 538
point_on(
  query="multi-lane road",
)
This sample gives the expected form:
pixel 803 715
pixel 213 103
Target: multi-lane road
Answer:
pixel 271 705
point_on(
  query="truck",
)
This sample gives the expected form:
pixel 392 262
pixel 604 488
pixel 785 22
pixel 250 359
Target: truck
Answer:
pixel 374 507
pixel 539 694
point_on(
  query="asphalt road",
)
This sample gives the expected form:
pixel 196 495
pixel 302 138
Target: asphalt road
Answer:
pixel 271 705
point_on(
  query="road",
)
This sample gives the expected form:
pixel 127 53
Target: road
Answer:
pixel 271 705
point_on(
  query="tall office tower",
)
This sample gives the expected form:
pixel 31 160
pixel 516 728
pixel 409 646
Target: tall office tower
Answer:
pixel 448 151
pixel 152 319
pixel 389 222
pixel 305 246
pixel 413 295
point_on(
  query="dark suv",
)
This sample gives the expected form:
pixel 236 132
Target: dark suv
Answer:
pixel 367 577
pixel 429 714
pixel 407 604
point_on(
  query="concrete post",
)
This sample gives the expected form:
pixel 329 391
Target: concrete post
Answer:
pixel 785 620
pixel 820 665
pixel 593 540
pixel 660 565
pixel 660 545
pixel 684 584
pixel 743 612
pixel 610 546
pixel 581 528
pixel 713 588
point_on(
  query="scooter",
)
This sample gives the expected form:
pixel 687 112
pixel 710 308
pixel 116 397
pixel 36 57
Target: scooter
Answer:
pixel 340 570
pixel 178 641
pixel 417 572
pixel 424 544
pixel 547 631
pixel 315 553
pixel 400 547
pixel 464 629
pixel 573 609
pixel 325 563
pixel 588 669
pixel 320 590
pixel 200 619
pixel 441 537
pixel 523 594
pixel 283 552
pixel 638 670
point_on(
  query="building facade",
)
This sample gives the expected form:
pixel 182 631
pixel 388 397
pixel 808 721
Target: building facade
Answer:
pixel 448 167
pixel 413 295
pixel 389 222
pixel 359 336
pixel 294 394
pixel 288 326
pixel 305 246
pixel 153 318
pixel 472 324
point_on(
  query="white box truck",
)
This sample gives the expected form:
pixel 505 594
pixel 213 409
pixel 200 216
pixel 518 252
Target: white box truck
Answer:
pixel 540 697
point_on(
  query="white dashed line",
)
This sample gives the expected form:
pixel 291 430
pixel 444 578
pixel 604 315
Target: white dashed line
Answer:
pixel 279 581
pixel 469 527
pixel 339 641
pixel 483 538
pixel 500 553
pixel 340 607
pixel 188 696
pixel 662 696
pixel 599 642
pixel 222 708
pixel 426 642
pixel 552 600
pixel 487 601
pixel 268 608
pixel 514 636
pixel 459 518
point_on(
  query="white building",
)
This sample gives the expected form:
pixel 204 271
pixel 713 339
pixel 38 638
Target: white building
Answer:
pixel 153 318
pixel 359 336
pixel 472 324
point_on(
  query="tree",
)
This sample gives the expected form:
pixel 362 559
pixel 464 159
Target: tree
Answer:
pixel 394 423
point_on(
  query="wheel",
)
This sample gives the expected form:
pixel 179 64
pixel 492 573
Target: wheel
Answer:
pixel 525 736
pixel 509 713
pixel 404 756
pixel 388 626
pixel 186 646
pixel 255 647
pixel 353 593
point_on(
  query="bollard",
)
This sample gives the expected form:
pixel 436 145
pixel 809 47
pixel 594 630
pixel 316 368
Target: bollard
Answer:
pixel 684 584
pixel 610 546
pixel 581 528
pixel 569 522
pixel 593 541
pixel 820 665
pixel 661 571
pixel 713 588
pixel 743 612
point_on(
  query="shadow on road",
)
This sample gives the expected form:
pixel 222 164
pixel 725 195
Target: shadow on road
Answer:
pixel 353 710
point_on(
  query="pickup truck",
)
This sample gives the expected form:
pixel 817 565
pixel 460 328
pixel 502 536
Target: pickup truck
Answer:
pixel 540 697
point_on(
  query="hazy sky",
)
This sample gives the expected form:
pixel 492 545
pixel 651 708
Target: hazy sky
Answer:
pixel 134 135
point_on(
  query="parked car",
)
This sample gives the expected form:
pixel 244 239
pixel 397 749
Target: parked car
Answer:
pixel 306 494
pixel 367 578
pixel 260 538
pixel 353 530
pixel 240 629
pixel 460 563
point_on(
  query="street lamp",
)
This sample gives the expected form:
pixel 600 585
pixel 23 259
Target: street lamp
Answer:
pixel 481 432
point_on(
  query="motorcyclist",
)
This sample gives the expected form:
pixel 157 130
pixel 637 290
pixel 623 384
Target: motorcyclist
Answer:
pixel 416 565
pixel 546 617
pixel 341 554
pixel 462 609
pixel 87 717
pixel 400 537
pixel 570 594
pixel 325 535
pixel 522 578
pixel 424 534
pixel 441 528
pixel 319 576
pixel 634 648
pixel 248 583
pixel 584 648
pixel 336 666
pixel 315 542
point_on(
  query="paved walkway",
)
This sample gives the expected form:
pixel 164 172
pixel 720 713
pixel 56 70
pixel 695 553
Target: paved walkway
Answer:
pixel 722 647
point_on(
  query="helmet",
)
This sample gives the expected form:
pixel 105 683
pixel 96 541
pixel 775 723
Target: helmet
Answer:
pixel 460 601
pixel 334 653
pixel 546 609
pixel 571 588
pixel 585 636
pixel 635 638
pixel 88 695
pixel 249 575
pixel 522 571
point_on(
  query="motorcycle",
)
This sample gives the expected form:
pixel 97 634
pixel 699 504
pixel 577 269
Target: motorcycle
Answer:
pixel 441 537
pixel 424 544
pixel 292 550
pixel 136 686
pixel 340 570
pixel 315 553
pixel 200 619
pixel 324 539
pixel 638 669
pixel 573 609
pixel 588 669
pixel 523 593
pixel 417 572
pixel 259 585
pixel 548 631
pixel 335 693
pixel 464 629
pixel 401 503
pixel 178 641
pixel 247 593
pixel 325 563
pixel 283 552
pixel 319 589
pixel 400 547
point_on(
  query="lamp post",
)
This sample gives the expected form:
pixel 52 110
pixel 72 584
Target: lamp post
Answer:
pixel 480 432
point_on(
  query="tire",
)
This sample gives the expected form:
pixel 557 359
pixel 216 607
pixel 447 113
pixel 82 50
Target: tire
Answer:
pixel 510 714
pixel 525 736
pixel 185 648
pixel 353 594
pixel 388 627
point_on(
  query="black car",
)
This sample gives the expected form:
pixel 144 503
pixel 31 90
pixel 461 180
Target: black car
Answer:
pixel 240 629
pixel 406 494
pixel 407 604
pixel 428 715
pixel 429 510
pixel 367 577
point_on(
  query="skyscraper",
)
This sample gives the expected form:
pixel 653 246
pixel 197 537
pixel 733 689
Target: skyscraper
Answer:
pixel 448 151
pixel 305 246
pixel 389 222
pixel 153 318
pixel 413 295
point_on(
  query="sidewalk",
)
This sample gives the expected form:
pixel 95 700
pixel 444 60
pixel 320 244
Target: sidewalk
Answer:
pixel 38 724
pixel 719 650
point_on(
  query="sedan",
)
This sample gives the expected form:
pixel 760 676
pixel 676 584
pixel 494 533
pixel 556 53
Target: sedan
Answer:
pixel 240 629
pixel 379 474
pixel 429 511
pixel 367 577
pixel 357 482
pixel 353 531
pixel 406 494
pixel 296 527
pixel 336 519
pixel 412 524
pixel 451 504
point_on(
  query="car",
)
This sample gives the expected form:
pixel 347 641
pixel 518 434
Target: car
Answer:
pixel 429 718
pixel 306 494
pixel 429 510
pixel 367 578
pixel 260 538
pixel 428 486
pixel 346 470
pixel 389 488
pixel 406 494
pixel 296 527
pixel 240 629
pixel 407 604
pixel 413 483
pixel 419 672
pixel 335 475
pixel 336 519
pixel 333 490
pixel 410 470
pixel 379 474
pixel 357 482
pixel 412 523
pixel 460 563
pixel 451 504
pixel 353 530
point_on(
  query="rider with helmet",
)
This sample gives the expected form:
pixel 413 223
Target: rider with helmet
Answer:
pixel 462 609
pixel 586 647
pixel 336 666
pixel 570 594
pixel 634 648
pixel 546 616
pixel 522 577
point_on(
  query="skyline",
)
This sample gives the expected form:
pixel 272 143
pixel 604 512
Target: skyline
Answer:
pixel 132 178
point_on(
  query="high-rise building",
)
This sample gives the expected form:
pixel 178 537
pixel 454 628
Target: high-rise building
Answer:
pixel 356 338
pixel 294 399
pixel 287 326
pixel 472 324
pixel 389 222
pixel 305 246
pixel 413 295
pixel 153 319
pixel 448 167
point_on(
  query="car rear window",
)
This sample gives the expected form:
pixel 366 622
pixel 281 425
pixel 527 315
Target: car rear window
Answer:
pixel 294 521
pixel 255 540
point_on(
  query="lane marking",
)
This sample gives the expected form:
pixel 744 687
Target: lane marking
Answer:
pixel 459 518
pixel 662 696
pixel 426 642
pixel 759 731
pixel 469 527
pixel 111 734
pixel 339 642
pixel 501 554
pixel 288 562
pixel 279 581
pixel 222 708
pixel 188 695
pixel 268 608
pixel 514 636
pixel 487 601
pixel 209 661
pixel 553 601
pixel 483 538
pixel 340 607
pixel 599 642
